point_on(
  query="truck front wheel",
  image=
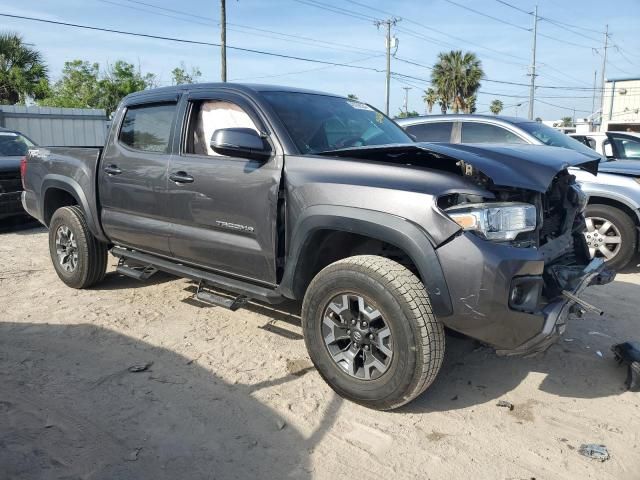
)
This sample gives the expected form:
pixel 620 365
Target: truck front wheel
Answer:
pixel 370 332
pixel 79 258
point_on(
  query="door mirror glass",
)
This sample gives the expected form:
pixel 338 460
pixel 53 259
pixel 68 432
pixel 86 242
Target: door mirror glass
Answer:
pixel 240 142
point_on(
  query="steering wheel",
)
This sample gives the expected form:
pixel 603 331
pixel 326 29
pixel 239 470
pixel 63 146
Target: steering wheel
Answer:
pixel 349 141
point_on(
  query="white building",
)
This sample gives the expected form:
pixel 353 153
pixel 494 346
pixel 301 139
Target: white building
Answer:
pixel 621 105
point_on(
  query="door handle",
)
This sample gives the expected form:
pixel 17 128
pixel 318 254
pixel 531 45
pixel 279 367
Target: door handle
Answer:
pixel 112 170
pixel 181 177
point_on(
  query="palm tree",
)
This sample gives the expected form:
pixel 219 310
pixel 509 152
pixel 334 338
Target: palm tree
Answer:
pixel 496 107
pixel 430 97
pixel 470 104
pixel 567 122
pixel 23 73
pixel 457 77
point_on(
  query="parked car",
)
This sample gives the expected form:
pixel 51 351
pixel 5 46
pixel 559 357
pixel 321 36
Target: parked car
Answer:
pixel 613 145
pixel 613 212
pixel 275 193
pixel 13 146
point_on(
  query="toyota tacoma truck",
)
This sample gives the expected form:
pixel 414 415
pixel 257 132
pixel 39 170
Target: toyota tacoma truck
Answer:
pixel 272 193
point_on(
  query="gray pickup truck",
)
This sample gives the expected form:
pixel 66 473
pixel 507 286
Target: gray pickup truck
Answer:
pixel 273 193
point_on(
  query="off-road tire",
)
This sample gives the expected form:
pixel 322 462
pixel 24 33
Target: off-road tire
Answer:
pixel 418 337
pixel 626 227
pixel 92 254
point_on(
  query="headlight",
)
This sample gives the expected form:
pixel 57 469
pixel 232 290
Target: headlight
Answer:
pixel 495 221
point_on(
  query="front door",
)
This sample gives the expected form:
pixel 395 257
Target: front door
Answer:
pixel 132 178
pixel 224 208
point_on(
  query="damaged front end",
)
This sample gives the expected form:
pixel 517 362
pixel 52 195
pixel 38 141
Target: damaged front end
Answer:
pixel 538 251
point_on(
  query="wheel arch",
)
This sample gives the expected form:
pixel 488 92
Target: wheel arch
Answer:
pixel 632 212
pixel 345 226
pixel 60 191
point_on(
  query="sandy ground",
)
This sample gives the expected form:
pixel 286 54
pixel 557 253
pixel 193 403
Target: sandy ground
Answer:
pixel 233 395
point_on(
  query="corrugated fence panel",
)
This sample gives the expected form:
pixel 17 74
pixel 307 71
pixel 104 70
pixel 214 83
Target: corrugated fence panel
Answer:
pixel 68 127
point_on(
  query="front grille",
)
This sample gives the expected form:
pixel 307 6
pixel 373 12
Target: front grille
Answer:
pixel 10 182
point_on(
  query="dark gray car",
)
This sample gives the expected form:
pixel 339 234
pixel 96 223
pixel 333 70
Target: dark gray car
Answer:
pixel 13 147
pixel 275 193
pixel 613 212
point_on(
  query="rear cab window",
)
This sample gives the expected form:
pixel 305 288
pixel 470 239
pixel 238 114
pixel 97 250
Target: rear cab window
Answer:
pixel 13 144
pixel 431 131
pixel 147 128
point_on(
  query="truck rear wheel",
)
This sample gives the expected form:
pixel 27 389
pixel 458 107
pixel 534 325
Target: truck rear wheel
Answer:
pixel 79 258
pixel 370 332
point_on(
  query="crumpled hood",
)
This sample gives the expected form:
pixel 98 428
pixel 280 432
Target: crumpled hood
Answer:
pixel 531 167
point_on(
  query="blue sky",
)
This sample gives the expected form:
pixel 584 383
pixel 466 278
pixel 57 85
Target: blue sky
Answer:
pixel 427 28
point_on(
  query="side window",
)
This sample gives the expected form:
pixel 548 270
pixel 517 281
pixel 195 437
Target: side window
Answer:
pixel 209 116
pixel 473 132
pixel 628 148
pixel 431 132
pixel 148 127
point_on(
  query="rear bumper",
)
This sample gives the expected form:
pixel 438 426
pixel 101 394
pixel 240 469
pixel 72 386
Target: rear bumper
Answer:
pixel 481 275
pixel 10 205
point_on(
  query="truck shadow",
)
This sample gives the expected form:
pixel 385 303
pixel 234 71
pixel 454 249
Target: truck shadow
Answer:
pixel 71 408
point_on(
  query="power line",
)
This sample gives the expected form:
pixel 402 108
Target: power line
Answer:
pixel 192 42
pixel 563 107
pixel 477 12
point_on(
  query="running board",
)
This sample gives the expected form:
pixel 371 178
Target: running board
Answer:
pixel 245 289
pixel 139 273
pixel 232 304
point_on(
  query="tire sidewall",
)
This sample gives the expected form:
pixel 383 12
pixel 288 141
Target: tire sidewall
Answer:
pixel 626 228
pixel 401 374
pixel 67 217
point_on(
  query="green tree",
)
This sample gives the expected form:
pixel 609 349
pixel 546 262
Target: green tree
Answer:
pixel 352 96
pixel 430 98
pixel 84 85
pixel 496 107
pixel 409 114
pixel 23 72
pixel 77 88
pixel 456 76
pixel 118 81
pixel 179 75
pixel 567 122
pixel 470 104
pixel 538 119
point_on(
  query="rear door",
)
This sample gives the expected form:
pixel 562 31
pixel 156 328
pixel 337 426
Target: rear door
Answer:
pixel 224 207
pixel 477 132
pixel 133 175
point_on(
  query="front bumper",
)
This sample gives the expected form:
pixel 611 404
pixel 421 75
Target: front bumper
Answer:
pixel 480 276
pixel 10 205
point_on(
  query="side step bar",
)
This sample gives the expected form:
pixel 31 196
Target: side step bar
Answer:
pixel 139 273
pixel 232 304
pixel 244 289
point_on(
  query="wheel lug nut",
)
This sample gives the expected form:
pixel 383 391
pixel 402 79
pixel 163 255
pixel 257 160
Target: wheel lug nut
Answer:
pixel 353 322
pixel 371 336
pixel 366 347
pixel 364 324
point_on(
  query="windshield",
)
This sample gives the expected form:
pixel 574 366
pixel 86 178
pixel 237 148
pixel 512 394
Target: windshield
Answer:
pixel 554 138
pixel 318 123
pixel 14 145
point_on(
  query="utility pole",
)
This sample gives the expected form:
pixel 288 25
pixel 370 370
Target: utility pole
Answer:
pixel 387 23
pixel 223 40
pixel 532 90
pixel 595 87
pixel 602 73
pixel 406 100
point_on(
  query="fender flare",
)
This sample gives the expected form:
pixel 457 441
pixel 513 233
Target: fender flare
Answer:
pixel 385 227
pixel 70 186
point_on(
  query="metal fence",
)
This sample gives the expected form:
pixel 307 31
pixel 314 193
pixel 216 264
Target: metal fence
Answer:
pixel 50 126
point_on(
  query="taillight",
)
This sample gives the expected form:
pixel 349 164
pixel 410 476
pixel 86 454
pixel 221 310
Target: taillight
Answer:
pixel 23 170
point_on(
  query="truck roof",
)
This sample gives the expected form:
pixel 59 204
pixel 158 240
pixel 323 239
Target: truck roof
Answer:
pixel 251 88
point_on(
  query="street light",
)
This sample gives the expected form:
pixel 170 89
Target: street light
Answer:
pixel 517 105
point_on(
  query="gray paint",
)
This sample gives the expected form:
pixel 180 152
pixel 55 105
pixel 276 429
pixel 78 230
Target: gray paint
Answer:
pixel 53 126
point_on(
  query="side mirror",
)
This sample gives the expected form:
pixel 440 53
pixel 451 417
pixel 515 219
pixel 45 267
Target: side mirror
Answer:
pixel 608 150
pixel 240 142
